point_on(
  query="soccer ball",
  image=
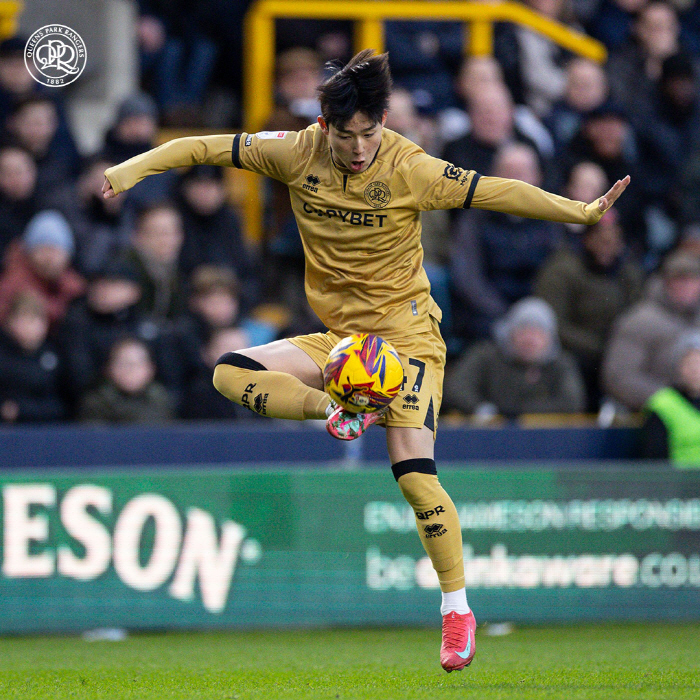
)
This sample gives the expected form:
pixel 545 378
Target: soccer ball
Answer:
pixel 363 373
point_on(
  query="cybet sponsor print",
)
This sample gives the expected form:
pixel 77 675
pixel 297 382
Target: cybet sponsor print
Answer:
pixel 185 549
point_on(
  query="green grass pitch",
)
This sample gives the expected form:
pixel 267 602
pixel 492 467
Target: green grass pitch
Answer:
pixel 606 662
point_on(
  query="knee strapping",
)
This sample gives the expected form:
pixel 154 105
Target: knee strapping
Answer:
pixel 235 359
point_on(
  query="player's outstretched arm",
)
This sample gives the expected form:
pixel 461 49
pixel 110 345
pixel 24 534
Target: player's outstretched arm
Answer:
pixel 191 150
pixel 520 199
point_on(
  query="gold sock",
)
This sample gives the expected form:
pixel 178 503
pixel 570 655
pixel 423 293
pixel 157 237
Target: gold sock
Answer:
pixel 274 394
pixel 438 527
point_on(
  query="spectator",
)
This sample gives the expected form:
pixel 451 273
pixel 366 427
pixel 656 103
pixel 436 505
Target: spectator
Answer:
pixel 670 131
pixel 298 75
pixel 403 117
pixel 202 400
pixel 522 371
pixel 155 254
pixel 588 290
pixel 613 22
pixel 639 357
pixel 17 84
pixel 34 123
pixel 18 194
pixel 541 60
pixel 635 68
pixel 30 367
pixel 496 256
pixel 135 131
pixel 424 58
pixel 672 426
pixel 608 139
pixel 214 235
pixel 103 226
pixel 215 304
pixel 110 311
pixel 584 183
pixel 129 392
pixel 491 114
pixel 40 262
pixel 586 89
pixel 480 74
pixel 178 54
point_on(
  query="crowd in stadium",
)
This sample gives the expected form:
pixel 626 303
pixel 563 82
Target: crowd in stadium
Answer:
pixel 117 310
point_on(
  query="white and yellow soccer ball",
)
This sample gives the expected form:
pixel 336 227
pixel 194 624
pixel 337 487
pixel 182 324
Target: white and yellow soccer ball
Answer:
pixel 363 373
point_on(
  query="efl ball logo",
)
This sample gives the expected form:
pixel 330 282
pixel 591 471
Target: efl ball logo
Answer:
pixel 55 55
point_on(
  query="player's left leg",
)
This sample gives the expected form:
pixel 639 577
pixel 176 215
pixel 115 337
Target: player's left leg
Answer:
pixel 411 451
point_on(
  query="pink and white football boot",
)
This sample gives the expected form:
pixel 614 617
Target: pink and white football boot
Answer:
pixel 458 644
pixel 343 425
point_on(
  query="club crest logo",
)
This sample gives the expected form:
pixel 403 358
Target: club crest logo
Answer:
pixel 452 172
pixel 377 195
pixel 55 55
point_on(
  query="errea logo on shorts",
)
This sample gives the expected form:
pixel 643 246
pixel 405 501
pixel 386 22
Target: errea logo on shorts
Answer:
pixel 55 55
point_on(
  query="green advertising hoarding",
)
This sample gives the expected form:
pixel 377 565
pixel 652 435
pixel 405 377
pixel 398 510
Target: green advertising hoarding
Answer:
pixel 154 548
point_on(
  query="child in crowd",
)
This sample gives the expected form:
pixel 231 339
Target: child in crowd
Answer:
pixel 30 367
pixel 129 392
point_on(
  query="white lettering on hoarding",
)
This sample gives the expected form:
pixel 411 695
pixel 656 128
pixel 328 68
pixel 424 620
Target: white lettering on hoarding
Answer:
pixel 202 557
pixel 21 528
pixel 195 555
pixel 502 570
pixel 87 531
pixel 127 540
pixel 537 515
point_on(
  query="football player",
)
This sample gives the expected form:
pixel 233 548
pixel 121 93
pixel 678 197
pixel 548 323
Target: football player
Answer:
pixel 357 190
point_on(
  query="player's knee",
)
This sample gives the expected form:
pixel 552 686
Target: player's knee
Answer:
pixel 417 479
pixel 232 374
pixel 223 380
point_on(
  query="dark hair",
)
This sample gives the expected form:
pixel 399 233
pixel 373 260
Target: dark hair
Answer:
pixel 144 212
pixel 362 85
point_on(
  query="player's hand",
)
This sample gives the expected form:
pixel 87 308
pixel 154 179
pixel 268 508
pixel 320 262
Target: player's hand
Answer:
pixel 612 195
pixel 107 191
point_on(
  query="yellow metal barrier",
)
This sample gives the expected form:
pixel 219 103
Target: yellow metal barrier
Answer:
pixel 369 17
pixel 9 12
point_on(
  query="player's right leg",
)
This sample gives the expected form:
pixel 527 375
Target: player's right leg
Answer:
pixel 278 380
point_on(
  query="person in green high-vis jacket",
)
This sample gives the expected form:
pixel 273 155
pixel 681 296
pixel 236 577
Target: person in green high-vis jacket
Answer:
pixel 672 427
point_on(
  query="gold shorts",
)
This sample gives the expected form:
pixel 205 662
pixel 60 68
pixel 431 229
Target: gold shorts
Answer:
pixel 423 360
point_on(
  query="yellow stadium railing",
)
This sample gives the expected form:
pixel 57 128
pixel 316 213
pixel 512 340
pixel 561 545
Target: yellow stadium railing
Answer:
pixel 9 12
pixel 369 17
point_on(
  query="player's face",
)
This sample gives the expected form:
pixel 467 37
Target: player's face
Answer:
pixel 355 145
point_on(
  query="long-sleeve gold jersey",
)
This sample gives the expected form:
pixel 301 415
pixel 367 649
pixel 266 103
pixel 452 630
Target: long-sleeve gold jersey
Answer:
pixel 361 232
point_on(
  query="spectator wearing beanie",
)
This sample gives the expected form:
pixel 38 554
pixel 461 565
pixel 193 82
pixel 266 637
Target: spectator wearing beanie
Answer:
pixel 639 358
pixel 40 263
pixel 672 426
pixel 522 371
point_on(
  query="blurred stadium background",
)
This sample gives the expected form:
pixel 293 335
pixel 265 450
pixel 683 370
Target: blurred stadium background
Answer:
pixel 133 496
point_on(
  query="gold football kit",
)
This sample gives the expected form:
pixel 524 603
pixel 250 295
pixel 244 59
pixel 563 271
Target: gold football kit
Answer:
pixel 361 236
